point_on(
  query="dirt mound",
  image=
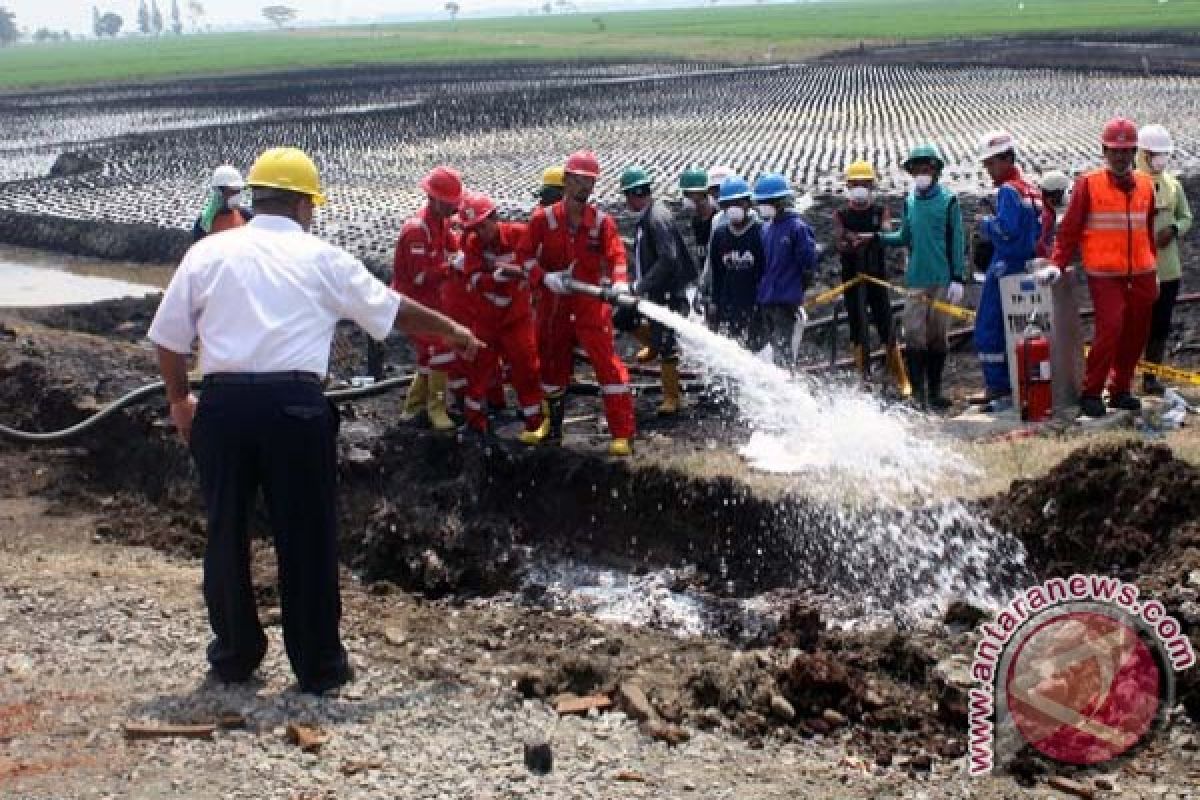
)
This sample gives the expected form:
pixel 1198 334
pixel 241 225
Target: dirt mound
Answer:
pixel 1108 506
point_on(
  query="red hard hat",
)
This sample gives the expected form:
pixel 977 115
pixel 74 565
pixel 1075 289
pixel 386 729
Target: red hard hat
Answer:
pixel 1120 133
pixel 475 208
pixel 583 163
pixel 445 184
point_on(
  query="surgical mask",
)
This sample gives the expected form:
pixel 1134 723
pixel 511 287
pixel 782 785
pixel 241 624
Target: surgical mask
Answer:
pixel 234 200
pixel 689 204
pixel 735 214
pixel 860 195
pixel 923 182
pixel 766 212
pixel 1158 162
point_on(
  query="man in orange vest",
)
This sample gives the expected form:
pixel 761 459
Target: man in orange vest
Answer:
pixel 1111 221
pixel 424 251
pixel 573 239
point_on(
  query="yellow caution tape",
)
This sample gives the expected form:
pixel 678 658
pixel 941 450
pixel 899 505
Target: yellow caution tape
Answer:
pixel 1169 373
pixel 829 295
pixel 958 312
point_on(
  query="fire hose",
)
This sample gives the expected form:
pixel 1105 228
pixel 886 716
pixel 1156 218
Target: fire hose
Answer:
pixel 341 395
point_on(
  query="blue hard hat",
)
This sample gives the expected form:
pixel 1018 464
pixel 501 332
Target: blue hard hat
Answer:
pixel 771 186
pixel 734 187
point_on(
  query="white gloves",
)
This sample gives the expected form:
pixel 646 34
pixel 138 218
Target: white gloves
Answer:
pixel 1045 272
pixel 954 293
pixel 621 288
pixel 556 282
pixel 457 260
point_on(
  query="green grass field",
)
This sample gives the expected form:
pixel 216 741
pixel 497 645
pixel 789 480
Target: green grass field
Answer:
pixel 744 33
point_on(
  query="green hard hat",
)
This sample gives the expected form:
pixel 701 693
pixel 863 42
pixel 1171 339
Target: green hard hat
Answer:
pixel 634 177
pixel 925 152
pixel 694 179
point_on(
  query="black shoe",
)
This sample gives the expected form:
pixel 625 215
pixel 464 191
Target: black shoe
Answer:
pixel 326 685
pixel 1152 385
pixel 935 364
pixel 1126 402
pixel 1092 406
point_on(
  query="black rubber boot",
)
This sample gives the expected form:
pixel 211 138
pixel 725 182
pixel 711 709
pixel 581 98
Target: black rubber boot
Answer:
pixel 935 363
pixel 916 374
pixel 1092 406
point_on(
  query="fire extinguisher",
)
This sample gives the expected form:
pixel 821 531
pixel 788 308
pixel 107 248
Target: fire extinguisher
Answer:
pixel 1036 393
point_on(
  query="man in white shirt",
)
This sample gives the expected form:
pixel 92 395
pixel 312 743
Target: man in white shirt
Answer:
pixel 263 300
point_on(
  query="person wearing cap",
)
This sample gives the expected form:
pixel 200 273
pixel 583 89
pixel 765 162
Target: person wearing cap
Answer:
pixel 702 302
pixel 662 271
pixel 867 303
pixel 224 207
pixel 1013 232
pixel 1110 222
pixel 552 186
pixel 264 300
pixel 1172 219
pixel 791 261
pixel 501 314
pixel 1055 185
pixel 425 251
pixel 573 240
pixel 738 259
pixel 931 227
pixel 700 205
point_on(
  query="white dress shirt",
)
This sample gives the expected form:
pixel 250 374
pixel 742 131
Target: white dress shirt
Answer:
pixel 266 297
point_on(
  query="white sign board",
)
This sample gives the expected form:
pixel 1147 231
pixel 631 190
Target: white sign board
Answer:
pixel 1058 318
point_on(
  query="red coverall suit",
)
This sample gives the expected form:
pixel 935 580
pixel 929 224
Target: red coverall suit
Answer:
pixel 420 269
pixel 501 315
pixel 593 254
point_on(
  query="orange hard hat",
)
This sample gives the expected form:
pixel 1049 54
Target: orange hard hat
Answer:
pixel 445 184
pixel 1121 134
pixel 583 163
pixel 475 208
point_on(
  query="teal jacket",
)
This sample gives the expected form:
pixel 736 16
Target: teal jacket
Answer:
pixel 932 229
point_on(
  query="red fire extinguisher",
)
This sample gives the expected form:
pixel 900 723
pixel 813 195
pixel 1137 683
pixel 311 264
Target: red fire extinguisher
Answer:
pixel 1036 393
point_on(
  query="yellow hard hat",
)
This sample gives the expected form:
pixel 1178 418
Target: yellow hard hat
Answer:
pixel 553 176
pixel 860 171
pixel 287 168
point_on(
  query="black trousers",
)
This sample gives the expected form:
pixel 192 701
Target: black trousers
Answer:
pixel 869 302
pixel 662 337
pixel 1164 307
pixel 281 438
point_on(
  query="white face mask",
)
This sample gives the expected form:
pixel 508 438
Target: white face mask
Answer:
pixel 1158 162
pixel 234 200
pixel 860 195
pixel 735 214
pixel 766 212
pixel 923 182
pixel 689 204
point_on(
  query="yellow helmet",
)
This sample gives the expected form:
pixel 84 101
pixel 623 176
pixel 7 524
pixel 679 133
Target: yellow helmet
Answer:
pixel 553 176
pixel 287 168
pixel 860 171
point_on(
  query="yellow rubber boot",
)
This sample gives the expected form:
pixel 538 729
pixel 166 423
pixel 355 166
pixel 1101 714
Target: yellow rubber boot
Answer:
pixel 672 392
pixel 418 394
pixel 646 340
pixel 895 363
pixel 538 434
pixel 435 404
pixel 620 447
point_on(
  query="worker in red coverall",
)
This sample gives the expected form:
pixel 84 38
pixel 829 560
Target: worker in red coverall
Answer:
pixel 1111 221
pixel 501 316
pixel 573 239
pixel 424 251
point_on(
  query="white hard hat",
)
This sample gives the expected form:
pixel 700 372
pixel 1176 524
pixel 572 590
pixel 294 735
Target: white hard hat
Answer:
pixel 996 142
pixel 1055 181
pixel 718 174
pixel 1156 139
pixel 226 177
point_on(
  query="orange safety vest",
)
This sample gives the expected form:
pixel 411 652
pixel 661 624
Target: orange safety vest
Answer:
pixel 1116 236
